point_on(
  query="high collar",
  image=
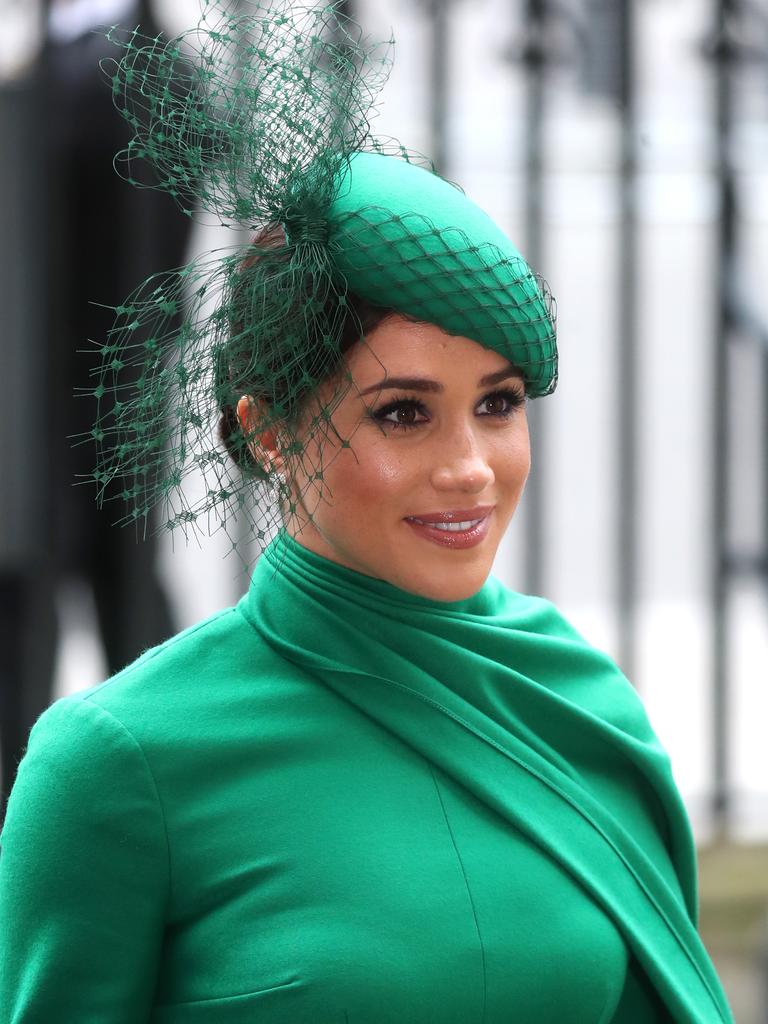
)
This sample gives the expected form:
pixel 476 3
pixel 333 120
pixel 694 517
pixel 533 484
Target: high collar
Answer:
pixel 287 556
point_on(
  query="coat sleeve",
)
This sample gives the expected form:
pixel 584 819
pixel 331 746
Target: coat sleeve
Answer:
pixel 84 875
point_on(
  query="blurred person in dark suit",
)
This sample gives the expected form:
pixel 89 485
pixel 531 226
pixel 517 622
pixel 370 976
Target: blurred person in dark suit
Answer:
pixel 101 238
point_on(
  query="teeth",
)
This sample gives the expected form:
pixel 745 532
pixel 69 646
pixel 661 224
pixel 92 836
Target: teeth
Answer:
pixel 451 527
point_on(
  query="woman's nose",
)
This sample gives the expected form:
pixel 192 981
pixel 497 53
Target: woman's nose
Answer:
pixel 461 465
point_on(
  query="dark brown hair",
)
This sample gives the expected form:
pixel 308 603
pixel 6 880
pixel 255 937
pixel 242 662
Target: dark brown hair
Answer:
pixel 360 318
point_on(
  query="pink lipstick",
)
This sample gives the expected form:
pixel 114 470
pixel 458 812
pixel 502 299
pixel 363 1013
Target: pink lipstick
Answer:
pixel 457 528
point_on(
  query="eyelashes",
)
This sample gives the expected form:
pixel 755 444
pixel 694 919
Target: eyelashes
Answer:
pixel 513 399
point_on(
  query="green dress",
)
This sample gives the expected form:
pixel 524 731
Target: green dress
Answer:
pixel 340 802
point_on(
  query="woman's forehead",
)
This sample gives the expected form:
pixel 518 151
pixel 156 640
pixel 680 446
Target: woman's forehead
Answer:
pixel 398 347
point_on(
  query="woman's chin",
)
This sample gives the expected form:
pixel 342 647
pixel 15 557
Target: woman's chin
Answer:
pixel 445 573
pixel 415 564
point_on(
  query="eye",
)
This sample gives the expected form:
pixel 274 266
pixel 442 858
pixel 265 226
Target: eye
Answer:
pixel 400 413
pixel 504 402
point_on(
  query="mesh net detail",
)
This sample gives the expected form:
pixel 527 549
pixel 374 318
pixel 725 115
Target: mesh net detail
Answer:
pixel 255 118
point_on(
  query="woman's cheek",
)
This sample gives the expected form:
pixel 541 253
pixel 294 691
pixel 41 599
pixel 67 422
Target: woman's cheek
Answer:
pixel 513 453
pixel 384 469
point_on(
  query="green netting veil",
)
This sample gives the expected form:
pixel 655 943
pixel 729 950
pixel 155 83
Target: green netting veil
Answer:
pixel 260 118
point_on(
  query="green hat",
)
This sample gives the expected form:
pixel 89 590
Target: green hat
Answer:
pixel 260 117
pixel 404 237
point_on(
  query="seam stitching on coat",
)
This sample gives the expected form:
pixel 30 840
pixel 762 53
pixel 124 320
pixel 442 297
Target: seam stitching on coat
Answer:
pixel 158 649
pixel 569 800
pixel 230 998
pixel 312 665
pixel 469 893
pixel 124 728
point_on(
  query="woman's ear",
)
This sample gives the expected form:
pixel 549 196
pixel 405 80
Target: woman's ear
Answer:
pixel 262 443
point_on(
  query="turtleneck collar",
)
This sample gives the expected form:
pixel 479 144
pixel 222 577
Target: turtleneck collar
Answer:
pixel 288 556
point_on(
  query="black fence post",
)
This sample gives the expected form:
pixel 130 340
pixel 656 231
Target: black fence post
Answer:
pixel 439 15
pixel 534 59
pixel 628 368
pixel 25 468
pixel 723 56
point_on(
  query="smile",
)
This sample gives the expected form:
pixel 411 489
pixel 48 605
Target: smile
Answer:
pixel 464 533
pixel 450 527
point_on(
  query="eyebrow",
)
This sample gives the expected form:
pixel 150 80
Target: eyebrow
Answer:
pixel 424 384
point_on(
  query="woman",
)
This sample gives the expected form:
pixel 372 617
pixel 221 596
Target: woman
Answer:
pixel 382 788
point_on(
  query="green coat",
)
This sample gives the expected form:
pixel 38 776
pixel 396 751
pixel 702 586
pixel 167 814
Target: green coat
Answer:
pixel 339 802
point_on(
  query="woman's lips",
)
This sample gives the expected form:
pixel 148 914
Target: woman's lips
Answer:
pixel 454 515
pixel 456 539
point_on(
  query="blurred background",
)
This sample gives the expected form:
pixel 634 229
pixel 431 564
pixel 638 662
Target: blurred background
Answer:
pixel 623 144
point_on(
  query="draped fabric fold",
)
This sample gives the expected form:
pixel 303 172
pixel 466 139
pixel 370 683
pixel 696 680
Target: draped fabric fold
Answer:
pixel 505 697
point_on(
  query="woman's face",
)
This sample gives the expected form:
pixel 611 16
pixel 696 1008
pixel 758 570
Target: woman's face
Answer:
pixel 437 425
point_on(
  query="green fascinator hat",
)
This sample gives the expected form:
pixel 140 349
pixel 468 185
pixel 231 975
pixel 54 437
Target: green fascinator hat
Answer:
pixel 260 119
pixel 403 237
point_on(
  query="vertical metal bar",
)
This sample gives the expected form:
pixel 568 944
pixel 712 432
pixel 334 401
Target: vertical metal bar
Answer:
pixel 23 216
pixel 628 362
pixel 534 62
pixel 763 434
pixel 720 404
pixel 25 464
pixel 438 74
